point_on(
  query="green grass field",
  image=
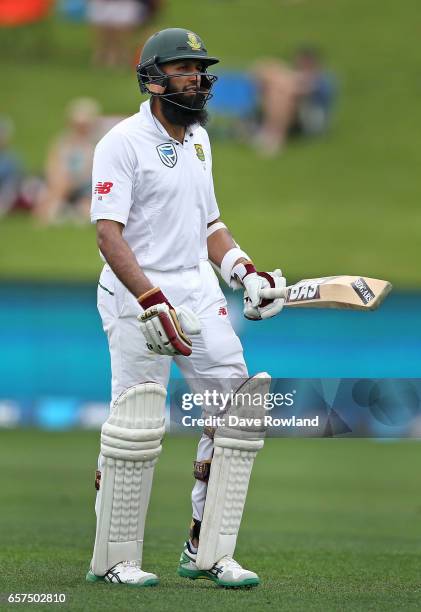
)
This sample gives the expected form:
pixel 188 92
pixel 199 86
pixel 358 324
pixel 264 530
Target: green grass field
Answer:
pixel 329 525
pixel 344 204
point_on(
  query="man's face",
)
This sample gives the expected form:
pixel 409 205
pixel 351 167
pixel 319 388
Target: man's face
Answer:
pixel 187 85
pixel 186 94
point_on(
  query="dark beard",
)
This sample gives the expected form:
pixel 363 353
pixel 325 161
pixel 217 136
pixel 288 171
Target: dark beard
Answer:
pixel 184 117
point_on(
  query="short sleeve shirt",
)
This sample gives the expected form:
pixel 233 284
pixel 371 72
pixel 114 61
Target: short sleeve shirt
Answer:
pixel 161 190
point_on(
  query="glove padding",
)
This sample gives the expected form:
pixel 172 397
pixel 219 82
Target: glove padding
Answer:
pixel 165 329
pixel 264 294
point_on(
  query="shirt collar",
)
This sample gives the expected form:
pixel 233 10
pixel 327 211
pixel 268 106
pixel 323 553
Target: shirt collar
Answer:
pixel 146 111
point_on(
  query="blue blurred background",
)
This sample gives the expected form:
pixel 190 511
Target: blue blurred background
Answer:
pixel 54 366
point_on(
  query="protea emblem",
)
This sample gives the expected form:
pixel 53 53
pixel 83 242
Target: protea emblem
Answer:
pixel 199 152
pixel 167 154
pixel 193 41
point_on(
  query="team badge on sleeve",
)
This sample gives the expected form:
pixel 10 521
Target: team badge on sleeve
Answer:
pixel 200 152
pixel 167 154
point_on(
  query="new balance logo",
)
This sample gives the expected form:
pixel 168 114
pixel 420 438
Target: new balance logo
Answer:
pixel 103 188
pixel 223 311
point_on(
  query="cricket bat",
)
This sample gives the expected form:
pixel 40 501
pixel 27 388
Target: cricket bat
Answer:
pixel 348 292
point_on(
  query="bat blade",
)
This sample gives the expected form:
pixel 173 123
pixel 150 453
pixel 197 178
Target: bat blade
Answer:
pixel 344 292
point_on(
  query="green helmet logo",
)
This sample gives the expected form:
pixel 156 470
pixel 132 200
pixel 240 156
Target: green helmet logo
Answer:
pixel 172 45
pixel 193 41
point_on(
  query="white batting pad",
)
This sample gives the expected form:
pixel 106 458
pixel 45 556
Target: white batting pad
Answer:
pixel 235 448
pixel 130 446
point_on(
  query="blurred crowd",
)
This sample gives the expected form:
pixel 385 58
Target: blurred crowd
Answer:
pixel 120 27
pixel 275 101
pixel 266 106
pixel 294 100
pixel 66 189
pixel 63 192
pixel 288 100
pixel 116 23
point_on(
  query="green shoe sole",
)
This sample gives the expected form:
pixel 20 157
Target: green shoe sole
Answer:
pixel 204 575
pixel 91 577
pixel 194 574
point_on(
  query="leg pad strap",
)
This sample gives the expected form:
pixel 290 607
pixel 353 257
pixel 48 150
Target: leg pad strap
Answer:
pixel 201 470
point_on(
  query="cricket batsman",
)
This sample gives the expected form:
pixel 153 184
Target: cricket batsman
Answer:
pixel 160 233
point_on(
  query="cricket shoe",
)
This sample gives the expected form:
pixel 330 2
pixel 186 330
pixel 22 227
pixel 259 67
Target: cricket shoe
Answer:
pixel 225 573
pixel 126 572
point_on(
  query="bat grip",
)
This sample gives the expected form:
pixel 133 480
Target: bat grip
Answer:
pixel 273 293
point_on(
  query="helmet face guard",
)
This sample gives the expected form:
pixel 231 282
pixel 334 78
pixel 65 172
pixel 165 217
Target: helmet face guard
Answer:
pixel 149 73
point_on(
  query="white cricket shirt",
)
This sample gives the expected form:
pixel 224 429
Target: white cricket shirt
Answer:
pixel 161 190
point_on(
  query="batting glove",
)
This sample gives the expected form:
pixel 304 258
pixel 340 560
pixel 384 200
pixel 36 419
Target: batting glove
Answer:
pixel 164 327
pixel 264 294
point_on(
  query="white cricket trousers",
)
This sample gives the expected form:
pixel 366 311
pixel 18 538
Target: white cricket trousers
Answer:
pixel 217 351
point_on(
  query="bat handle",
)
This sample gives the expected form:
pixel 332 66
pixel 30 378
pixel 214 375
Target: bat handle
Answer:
pixel 273 293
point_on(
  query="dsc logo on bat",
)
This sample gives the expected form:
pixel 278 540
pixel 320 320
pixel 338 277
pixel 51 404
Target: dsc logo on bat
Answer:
pixel 307 291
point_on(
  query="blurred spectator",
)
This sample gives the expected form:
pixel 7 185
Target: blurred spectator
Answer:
pixel 115 22
pixel 294 100
pixel 19 12
pixel 74 10
pixel 67 192
pixel 10 167
pixel 29 194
